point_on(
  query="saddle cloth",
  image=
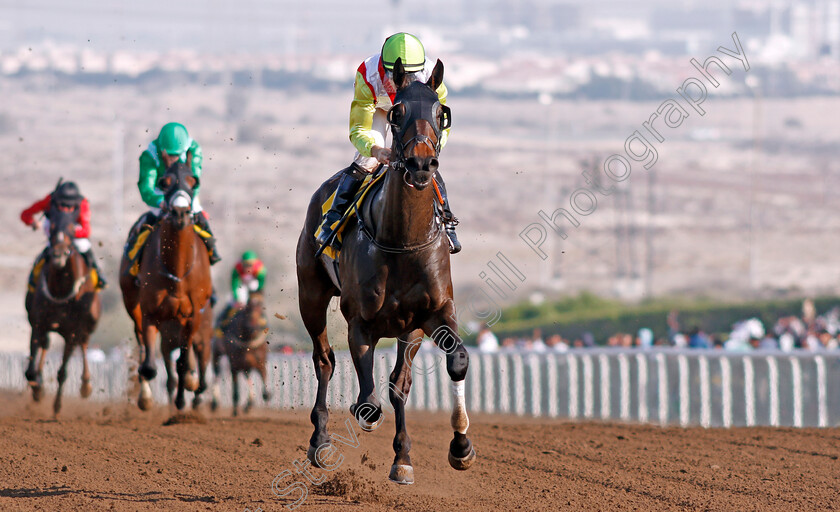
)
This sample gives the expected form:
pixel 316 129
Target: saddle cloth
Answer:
pixel 39 266
pixel 367 185
pixel 135 251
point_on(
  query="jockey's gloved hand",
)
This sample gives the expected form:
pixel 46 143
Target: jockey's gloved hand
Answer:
pixel 382 155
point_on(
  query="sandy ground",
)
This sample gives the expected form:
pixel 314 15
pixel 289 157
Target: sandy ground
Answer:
pixel 113 457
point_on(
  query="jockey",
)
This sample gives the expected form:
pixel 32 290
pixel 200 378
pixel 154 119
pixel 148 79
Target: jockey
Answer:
pixel 373 98
pixel 172 144
pixel 247 276
pixel 66 195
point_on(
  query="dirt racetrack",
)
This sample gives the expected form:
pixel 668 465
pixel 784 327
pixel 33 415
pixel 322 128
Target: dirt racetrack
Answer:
pixel 113 457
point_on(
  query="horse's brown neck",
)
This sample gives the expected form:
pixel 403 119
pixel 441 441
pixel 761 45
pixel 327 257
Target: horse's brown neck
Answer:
pixel 406 215
pixel 61 280
pixel 177 248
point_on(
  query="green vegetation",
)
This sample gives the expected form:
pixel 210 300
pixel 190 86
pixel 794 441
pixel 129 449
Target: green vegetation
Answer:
pixel 573 316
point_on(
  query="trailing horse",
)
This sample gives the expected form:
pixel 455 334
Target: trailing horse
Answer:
pixel 393 279
pixel 171 293
pixel 64 300
pixel 243 342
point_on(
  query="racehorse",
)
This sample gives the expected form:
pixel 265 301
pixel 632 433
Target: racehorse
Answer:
pixel 171 293
pixel 393 281
pixel 243 341
pixel 65 300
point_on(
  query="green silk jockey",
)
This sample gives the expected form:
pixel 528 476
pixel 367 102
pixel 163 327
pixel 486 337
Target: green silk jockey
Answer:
pixel 372 99
pixel 248 276
pixel 172 144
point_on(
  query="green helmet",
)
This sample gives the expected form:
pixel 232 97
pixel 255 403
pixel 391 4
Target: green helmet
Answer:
pixel 174 139
pixel 249 256
pixel 408 48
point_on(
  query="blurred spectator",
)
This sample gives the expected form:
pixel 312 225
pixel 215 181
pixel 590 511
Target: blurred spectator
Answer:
pixel 787 342
pixel 556 343
pixel 644 338
pixel 698 339
pixel 768 343
pixel 508 344
pixel 486 340
pixel 537 343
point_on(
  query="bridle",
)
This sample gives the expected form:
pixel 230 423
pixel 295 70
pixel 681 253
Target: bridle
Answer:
pixel 400 148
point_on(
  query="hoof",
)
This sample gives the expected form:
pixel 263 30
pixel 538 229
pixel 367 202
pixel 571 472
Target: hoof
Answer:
pixel 363 415
pixel 37 393
pixel 312 450
pixel 87 389
pixel 144 403
pixel 197 401
pixel 401 474
pixel 214 405
pixel 57 407
pixel 191 382
pixel 266 397
pixel 462 463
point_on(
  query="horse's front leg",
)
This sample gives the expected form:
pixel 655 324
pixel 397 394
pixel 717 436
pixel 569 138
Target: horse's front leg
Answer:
pixel 147 370
pixel 367 410
pixel 62 372
pixel 399 385
pixel 183 367
pixel 38 343
pixel 444 331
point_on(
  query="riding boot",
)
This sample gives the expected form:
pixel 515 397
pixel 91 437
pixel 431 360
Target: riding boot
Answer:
pixel 348 184
pixel 449 219
pixel 210 241
pixel 147 219
pixel 101 283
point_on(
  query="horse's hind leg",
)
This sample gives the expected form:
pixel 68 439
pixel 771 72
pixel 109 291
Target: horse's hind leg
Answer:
pixel 314 299
pixel 445 335
pixel 399 385
pixel 249 404
pixel 234 377
pixel 266 396
pixel 62 372
pixel 217 378
pixel 203 362
pixel 86 388
pixel 171 380
pixel 367 410
pixel 182 366
pixel 38 343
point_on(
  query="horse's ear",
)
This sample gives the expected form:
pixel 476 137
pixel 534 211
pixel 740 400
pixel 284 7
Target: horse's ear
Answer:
pixel 399 73
pixel 437 76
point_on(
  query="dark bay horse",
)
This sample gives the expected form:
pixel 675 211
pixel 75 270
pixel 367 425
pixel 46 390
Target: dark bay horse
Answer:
pixel 171 293
pixel 394 279
pixel 65 301
pixel 243 341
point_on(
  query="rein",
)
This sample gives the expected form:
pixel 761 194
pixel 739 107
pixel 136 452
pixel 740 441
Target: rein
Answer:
pixel 169 275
